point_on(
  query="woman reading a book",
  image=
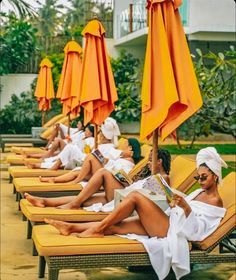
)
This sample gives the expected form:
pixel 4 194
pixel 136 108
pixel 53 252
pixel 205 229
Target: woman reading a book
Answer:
pixel 67 158
pixel 165 235
pixel 104 177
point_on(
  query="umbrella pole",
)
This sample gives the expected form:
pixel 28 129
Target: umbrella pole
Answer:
pixel 154 151
pixel 43 118
pixel 96 136
pixel 68 131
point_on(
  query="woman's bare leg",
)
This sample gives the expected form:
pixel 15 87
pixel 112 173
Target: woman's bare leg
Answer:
pixel 101 178
pixel 48 202
pixel 57 144
pixel 52 137
pixel 56 165
pixel 68 228
pixel 62 178
pixel 89 167
pixel 152 218
pixel 32 165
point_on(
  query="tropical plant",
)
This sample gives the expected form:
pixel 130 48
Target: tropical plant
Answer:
pixel 21 7
pixel 127 78
pixel 48 20
pixel 216 76
pixel 74 18
pixel 22 113
pixel 18 42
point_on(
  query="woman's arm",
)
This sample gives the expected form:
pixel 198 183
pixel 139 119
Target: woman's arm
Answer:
pixel 181 202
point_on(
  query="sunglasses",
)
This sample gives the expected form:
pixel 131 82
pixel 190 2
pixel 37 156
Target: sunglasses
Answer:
pixel 200 178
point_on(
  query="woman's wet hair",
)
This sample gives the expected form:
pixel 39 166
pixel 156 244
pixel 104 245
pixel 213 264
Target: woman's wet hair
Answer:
pixel 91 128
pixel 166 159
pixel 74 122
pixel 134 143
pixel 205 165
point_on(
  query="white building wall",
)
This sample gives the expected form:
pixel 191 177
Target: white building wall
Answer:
pixel 14 84
pixel 211 15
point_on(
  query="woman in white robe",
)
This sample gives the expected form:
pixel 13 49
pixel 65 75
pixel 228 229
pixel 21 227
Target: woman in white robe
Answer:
pixel 58 144
pixel 102 177
pixel 165 234
pixel 73 153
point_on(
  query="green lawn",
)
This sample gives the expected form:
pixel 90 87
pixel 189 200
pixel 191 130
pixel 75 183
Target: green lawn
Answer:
pixel 223 149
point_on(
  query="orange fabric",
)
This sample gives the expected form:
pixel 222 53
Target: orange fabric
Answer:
pixel 44 91
pixel 98 90
pixel 170 92
pixel 69 85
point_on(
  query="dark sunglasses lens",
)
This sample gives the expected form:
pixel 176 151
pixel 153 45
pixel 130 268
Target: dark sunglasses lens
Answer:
pixel 203 178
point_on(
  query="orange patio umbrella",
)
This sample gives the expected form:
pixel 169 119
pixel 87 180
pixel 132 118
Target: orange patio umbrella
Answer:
pixel 44 91
pixel 170 92
pixel 98 90
pixel 69 84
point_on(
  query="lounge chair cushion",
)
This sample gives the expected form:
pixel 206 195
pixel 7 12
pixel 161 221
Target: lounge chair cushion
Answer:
pixel 37 214
pixel 18 150
pixel 183 169
pixel 19 159
pixel 33 184
pixel 53 120
pixel 23 171
pixel 50 243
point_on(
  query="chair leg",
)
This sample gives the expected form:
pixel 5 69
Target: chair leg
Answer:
pixel 29 229
pixel 42 264
pixel 10 181
pixel 34 250
pixel 53 274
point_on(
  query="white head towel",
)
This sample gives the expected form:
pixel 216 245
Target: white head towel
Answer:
pixel 110 130
pixel 212 159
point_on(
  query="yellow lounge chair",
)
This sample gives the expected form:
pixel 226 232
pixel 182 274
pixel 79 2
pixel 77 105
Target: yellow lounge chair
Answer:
pixel 23 171
pixel 36 215
pixel 36 150
pixel 63 252
pixel 19 160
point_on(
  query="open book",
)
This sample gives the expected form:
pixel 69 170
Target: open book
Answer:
pixel 98 155
pixel 122 177
pixel 157 184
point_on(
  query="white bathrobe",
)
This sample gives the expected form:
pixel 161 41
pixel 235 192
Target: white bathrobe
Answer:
pixel 173 251
pixel 71 154
pixel 74 153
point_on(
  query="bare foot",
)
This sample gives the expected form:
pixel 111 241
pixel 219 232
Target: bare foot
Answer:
pixel 44 148
pixel 63 227
pixel 91 232
pixel 46 179
pixel 68 206
pixel 35 200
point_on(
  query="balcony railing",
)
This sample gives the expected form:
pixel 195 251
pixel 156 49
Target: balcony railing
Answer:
pixel 135 17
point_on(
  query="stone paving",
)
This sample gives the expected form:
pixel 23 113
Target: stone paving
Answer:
pixel 17 263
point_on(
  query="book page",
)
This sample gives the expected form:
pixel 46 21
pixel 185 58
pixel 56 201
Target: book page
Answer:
pixel 158 185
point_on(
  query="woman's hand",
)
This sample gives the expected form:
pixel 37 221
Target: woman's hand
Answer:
pixel 181 202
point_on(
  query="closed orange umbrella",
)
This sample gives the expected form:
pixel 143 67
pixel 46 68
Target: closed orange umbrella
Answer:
pixel 170 92
pixel 69 85
pixel 44 91
pixel 98 90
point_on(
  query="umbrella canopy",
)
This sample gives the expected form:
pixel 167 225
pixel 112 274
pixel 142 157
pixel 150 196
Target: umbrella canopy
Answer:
pixel 170 92
pixel 69 85
pixel 98 90
pixel 44 91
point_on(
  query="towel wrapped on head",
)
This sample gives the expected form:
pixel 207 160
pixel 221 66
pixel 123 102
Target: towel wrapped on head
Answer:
pixel 212 159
